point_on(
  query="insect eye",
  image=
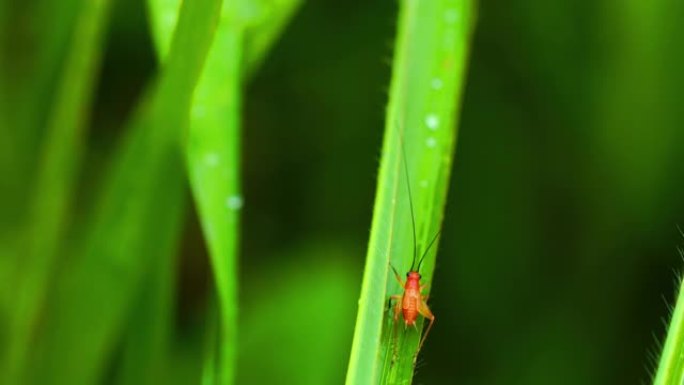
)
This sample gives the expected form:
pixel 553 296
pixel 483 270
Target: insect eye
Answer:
pixel 407 274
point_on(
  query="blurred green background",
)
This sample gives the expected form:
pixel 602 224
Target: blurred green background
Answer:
pixel 560 236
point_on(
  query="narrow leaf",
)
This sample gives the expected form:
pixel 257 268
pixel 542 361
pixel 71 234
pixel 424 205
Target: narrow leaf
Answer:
pixel 213 160
pixel 213 156
pixel 428 75
pixel 263 22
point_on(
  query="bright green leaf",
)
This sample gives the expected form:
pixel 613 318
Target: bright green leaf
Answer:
pixel 427 79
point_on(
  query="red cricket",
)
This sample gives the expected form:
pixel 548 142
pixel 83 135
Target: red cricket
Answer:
pixel 412 302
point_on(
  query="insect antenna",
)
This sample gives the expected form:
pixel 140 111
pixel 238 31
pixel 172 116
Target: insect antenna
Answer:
pixel 413 217
pixel 432 242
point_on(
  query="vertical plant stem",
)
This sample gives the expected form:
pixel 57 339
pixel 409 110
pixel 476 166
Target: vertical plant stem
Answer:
pixel 427 79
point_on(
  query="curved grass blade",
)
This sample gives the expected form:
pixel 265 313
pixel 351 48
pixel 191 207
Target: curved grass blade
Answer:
pixel 428 75
pixel 137 217
pixel 55 182
pixel 213 156
pixel 263 21
pixel 213 161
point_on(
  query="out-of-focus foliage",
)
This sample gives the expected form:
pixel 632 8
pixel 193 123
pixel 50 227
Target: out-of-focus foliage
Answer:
pixel 560 232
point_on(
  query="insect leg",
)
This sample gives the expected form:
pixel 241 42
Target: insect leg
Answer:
pixel 424 310
pixel 397 276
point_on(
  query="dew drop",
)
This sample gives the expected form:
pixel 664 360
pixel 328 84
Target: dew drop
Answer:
pixel 452 16
pixel 432 121
pixel 431 142
pixel 211 159
pixel 436 84
pixel 234 202
pixel 170 18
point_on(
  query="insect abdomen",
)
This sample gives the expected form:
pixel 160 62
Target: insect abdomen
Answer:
pixel 410 314
pixel 410 301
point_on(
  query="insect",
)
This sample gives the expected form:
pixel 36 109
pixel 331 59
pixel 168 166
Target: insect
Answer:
pixel 412 302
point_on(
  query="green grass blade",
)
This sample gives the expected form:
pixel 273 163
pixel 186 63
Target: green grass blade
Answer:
pixel 54 185
pixel 136 219
pixel 671 365
pixel 213 149
pixel 213 160
pixel 163 20
pixel 428 75
pixel 263 21
pixel 213 164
